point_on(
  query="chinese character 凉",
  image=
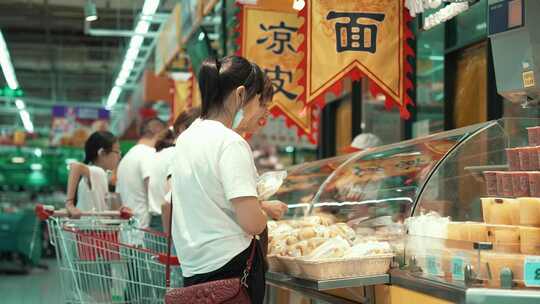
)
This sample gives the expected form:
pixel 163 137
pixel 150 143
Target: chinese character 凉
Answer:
pixel 280 38
pixel 278 82
pixel 351 36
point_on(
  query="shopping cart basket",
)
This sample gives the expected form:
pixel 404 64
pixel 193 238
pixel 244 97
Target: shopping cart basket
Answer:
pixel 99 262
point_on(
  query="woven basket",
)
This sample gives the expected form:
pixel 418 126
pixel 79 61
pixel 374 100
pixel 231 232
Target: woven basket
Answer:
pixel 290 265
pixel 274 264
pixel 344 267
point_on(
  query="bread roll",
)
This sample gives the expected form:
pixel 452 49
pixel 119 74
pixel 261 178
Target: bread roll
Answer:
pixel 346 231
pixel 307 233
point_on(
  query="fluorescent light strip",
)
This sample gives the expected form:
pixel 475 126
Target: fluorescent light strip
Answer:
pixel 20 104
pixel 27 122
pixel 113 96
pixel 11 79
pixel 149 8
pixel 7 67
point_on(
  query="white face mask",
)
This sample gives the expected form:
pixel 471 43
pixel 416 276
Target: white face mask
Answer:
pixel 238 118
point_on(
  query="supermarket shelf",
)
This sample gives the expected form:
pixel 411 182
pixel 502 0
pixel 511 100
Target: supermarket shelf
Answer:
pixel 435 288
pixel 502 296
pixel 280 278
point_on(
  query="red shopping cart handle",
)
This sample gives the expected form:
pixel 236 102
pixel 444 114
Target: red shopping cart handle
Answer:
pixel 43 212
pixel 165 259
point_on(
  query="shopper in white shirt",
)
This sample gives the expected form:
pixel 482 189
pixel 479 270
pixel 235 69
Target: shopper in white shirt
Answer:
pixel 216 212
pixel 133 172
pixel 88 183
pixel 159 166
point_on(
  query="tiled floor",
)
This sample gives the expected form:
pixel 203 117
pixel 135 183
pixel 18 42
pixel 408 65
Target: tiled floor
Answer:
pixel 39 287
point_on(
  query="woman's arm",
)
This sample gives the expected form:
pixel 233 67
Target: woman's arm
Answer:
pixel 250 215
pixel 275 209
pixel 76 171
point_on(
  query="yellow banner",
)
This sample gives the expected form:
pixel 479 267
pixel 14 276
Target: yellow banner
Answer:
pixel 181 97
pixel 195 100
pixel 269 36
pixel 355 37
pixel 169 40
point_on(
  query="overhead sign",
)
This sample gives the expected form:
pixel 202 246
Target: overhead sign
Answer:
pixel 269 36
pixel 356 39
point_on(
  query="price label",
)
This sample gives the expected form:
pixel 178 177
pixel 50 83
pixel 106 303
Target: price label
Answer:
pixel 458 266
pixel 433 265
pixel 531 271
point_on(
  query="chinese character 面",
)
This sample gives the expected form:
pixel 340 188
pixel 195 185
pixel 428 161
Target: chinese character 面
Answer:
pixel 280 38
pixel 278 82
pixel 351 36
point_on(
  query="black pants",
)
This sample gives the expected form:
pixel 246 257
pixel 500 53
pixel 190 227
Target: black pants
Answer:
pixel 234 268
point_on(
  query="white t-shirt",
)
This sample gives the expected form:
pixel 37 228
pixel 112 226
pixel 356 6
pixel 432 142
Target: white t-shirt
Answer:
pixel 92 190
pixel 159 169
pixel 132 171
pixel 216 166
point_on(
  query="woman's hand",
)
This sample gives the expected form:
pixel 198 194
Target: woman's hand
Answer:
pixel 73 212
pixel 126 210
pixel 274 209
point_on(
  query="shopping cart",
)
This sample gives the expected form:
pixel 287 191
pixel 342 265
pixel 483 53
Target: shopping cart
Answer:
pixel 99 261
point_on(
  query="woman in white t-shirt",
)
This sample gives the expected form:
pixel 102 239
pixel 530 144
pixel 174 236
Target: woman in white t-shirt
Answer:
pixel 88 184
pixel 159 167
pixel 216 212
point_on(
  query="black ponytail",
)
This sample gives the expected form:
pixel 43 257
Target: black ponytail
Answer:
pixel 98 140
pixel 218 78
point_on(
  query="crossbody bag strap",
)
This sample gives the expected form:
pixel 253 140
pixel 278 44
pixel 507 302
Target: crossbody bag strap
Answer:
pixel 169 243
pixel 249 263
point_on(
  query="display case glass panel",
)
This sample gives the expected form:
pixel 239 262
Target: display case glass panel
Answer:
pixel 379 186
pixel 481 207
pixel 303 182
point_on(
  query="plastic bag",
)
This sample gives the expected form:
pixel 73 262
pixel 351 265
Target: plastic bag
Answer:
pixel 269 183
pixel 368 248
pixel 332 248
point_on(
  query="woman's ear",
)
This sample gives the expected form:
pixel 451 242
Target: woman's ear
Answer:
pixel 241 96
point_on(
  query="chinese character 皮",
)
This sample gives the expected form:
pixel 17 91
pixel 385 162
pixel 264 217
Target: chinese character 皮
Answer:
pixel 278 82
pixel 351 36
pixel 280 38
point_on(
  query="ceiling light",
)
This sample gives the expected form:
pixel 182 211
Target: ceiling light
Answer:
pixel 19 104
pixel 150 7
pixel 36 167
pixel 132 54
pixel 142 27
pixel 38 152
pixel 120 81
pixel 90 11
pixel 128 66
pixel 7 67
pixel 18 160
pixel 27 122
pixel 113 96
pixel 136 42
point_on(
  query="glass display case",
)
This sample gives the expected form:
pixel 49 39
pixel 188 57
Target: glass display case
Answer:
pixel 447 199
pixel 378 185
pixel 476 222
